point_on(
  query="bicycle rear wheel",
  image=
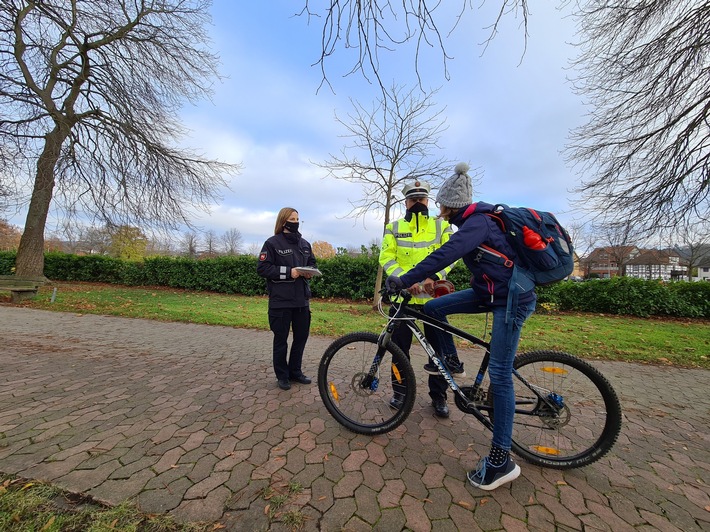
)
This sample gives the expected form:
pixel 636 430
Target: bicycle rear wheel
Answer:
pixel 577 421
pixel 358 395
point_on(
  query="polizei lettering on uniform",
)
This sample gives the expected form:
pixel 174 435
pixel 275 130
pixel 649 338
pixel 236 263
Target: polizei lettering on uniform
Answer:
pixel 284 251
pixel 403 235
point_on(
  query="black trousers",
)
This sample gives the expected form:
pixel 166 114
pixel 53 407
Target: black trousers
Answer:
pixel 402 338
pixel 281 321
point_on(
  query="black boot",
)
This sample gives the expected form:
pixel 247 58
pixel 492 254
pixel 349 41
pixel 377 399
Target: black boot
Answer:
pixel 440 408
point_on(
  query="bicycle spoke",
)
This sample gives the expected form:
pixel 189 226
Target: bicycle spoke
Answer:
pixel 568 422
pixel 357 391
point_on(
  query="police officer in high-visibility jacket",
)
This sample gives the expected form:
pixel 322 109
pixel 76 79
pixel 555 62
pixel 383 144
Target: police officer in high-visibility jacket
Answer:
pixel 405 243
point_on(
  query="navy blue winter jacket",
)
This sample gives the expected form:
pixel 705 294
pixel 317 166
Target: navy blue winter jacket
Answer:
pixel 489 280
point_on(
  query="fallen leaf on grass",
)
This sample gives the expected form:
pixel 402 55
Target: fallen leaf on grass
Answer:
pixel 49 523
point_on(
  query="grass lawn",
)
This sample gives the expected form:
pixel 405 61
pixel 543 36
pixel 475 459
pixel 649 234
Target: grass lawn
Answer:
pixel 597 336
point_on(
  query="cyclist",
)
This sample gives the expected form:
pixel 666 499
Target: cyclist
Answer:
pixel 495 288
pixel 406 242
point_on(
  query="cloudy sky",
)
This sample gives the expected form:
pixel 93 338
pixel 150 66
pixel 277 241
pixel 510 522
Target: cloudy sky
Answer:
pixel 508 108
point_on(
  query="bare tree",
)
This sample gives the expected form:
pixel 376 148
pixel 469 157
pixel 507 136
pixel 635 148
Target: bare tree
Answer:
pixel 232 242
pixel 584 237
pixel 692 243
pixel 210 243
pixel 253 249
pixel 160 244
pixel 90 93
pixel 392 143
pixel 376 25
pixel 645 71
pixel 96 240
pixel 188 244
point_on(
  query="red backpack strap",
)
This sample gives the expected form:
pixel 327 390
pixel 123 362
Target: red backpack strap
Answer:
pixel 470 210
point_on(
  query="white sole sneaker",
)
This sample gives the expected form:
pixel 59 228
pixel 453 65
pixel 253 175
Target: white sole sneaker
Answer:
pixel 499 481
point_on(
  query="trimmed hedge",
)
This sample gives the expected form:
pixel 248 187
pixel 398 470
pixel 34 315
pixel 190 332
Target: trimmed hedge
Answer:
pixel 635 297
pixel 354 278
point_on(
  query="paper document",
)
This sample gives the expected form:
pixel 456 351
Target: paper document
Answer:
pixel 308 269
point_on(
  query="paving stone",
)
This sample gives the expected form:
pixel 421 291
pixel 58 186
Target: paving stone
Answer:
pixel 203 488
pixel 391 519
pixel 437 504
pixel 337 515
pixel 81 481
pixel 115 492
pixel 417 518
pixel 138 409
pixel 322 494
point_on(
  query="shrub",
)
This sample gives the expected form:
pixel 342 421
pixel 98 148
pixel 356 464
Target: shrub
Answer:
pixel 354 278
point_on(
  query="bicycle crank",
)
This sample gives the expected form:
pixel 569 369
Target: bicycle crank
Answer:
pixel 477 398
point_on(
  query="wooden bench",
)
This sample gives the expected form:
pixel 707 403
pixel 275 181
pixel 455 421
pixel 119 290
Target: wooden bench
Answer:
pixel 20 288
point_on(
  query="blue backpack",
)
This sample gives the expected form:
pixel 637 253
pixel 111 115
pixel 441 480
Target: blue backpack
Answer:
pixel 543 246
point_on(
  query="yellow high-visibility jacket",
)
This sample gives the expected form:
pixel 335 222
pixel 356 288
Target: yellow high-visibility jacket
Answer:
pixel 407 243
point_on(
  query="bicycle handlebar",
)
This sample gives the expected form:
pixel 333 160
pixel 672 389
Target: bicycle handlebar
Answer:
pixel 387 295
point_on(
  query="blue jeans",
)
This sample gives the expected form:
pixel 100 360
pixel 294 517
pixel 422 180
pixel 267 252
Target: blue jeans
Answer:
pixel 504 344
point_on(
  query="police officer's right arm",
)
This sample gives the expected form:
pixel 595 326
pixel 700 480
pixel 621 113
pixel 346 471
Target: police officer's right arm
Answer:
pixel 268 266
pixel 388 253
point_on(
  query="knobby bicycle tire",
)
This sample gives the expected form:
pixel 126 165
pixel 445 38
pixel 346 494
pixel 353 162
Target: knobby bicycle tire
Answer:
pixel 584 421
pixel 365 409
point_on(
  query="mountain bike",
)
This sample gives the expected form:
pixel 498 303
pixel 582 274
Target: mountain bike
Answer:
pixel 567 414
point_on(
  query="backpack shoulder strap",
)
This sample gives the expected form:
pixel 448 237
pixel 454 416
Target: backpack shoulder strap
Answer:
pixel 469 210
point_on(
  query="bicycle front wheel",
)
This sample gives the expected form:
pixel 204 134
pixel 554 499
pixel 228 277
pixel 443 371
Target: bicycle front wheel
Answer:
pixel 357 388
pixel 575 419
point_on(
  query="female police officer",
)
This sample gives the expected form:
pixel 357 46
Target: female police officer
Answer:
pixel 289 294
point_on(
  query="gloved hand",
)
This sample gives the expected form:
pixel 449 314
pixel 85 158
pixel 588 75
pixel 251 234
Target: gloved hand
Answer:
pixel 394 283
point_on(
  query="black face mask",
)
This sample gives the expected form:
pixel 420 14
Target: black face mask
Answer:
pixel 292 226
pixel 417 208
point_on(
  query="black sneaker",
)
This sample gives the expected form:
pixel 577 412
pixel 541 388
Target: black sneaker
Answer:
pixel 455 367
pixel 488 477
pixel 430 368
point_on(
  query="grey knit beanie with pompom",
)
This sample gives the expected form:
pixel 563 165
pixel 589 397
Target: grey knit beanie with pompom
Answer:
pixel 456 192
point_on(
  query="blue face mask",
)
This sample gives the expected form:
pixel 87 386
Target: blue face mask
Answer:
pixel 292 226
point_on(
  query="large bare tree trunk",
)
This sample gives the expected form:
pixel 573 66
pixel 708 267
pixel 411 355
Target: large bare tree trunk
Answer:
pixel 30 254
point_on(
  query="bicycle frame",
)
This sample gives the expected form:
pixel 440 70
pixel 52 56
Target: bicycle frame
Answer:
pixel 409 316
